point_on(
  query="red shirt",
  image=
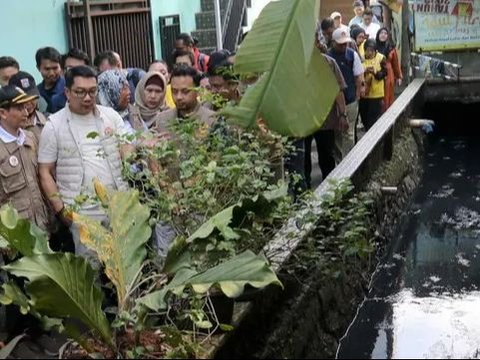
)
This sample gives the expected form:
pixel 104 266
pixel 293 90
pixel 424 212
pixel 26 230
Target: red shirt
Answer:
pixel 201 60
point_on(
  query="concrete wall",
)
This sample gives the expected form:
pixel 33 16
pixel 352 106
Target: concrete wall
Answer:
pixel 28 25
pixel 185 8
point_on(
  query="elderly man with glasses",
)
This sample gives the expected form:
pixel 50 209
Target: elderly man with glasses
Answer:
pixel 18 158
pixel 80 143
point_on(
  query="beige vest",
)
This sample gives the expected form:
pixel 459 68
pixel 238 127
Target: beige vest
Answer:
pixel 38 127
pixel 19 180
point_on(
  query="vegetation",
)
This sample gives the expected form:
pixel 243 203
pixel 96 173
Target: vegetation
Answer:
pixel 213 197
pixel 296 88
pixel 344 236
pixel 74 303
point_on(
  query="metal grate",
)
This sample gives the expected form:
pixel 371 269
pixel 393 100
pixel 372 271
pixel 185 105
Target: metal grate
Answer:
pixel 169 31
pixel 120 25
pixel 233 24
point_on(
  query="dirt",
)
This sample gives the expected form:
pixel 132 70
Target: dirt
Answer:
pixel 151 342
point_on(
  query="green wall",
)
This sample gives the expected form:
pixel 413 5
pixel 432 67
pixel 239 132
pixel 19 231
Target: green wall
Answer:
pixel 185 8
pixel 28 25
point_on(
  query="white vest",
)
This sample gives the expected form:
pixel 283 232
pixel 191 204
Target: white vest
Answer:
pixel 70 167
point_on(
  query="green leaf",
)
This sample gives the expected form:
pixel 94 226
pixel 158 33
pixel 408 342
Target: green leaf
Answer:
pixel 9 217
pixel 156 300
pixel 7 350
pixel 20 234
pixel 204 324
pixel 63 286
pixel 93 135
pixel 13 295
pixel 220 221
pixel 178 256
pixel 4 244
pixel 122 247
pixel 260 205
pixel 226 328
pixel 230 276
pixel 281 46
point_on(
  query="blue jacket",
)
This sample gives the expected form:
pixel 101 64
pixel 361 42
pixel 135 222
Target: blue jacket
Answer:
pixel 49 95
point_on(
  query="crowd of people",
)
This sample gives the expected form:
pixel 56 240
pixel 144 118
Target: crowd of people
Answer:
pixel 48 156
pixel 367 68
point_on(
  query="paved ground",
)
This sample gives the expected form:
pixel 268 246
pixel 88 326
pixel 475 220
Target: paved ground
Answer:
pixel 316 173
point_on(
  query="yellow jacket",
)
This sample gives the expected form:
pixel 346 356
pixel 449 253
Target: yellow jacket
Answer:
pixel 169 97
pixel 361 51
pixel 375 82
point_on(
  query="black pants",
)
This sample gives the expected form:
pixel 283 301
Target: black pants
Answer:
pixel 295 165
pixel 370 111
pixel 325 140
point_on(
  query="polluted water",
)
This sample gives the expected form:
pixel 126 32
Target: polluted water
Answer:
pixel 424 301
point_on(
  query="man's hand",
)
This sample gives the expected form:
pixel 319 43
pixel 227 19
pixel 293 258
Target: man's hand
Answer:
pixel 65 217
pixel 343 123
pixel 361 92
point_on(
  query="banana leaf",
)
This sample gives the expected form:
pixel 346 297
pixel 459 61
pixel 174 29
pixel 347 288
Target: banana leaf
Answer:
pixel 297 88
pixel 121 248
pixel 62 286
pixel 230 276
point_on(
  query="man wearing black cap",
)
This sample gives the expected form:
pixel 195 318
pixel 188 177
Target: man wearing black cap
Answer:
pixel 18 158
pixel 36 120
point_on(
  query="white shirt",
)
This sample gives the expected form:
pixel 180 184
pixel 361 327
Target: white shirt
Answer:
pixel 371 30
pixel 9 138
pixel 91 151
pixel 358 68
pixel 95 163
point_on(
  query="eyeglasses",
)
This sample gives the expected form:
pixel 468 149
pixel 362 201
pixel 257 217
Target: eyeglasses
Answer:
pixel 82 93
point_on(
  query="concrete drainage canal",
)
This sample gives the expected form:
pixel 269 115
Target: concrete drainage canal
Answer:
pixel 424 299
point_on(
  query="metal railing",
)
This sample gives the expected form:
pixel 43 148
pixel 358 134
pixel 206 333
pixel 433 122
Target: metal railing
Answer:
pixel 431 68
pixel 233 23
pixel 124 26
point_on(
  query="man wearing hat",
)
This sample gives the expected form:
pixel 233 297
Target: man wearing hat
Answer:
pixel 36 120
pixel 352 70
pixel 18 158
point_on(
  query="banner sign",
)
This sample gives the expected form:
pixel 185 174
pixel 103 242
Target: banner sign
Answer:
pixel 446 24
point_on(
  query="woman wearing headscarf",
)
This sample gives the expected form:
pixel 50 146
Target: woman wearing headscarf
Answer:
pixel 387 48
pixel 114 92
pixel 359 36
pixel 150 98
pixel 375 73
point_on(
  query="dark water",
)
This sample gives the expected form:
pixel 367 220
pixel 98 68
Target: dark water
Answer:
pixel 425 298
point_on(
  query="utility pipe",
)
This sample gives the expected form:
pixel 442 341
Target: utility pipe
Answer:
pixel 420 123
pixel 218 23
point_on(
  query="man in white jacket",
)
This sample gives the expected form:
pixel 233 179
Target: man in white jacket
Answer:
pixel 78 144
